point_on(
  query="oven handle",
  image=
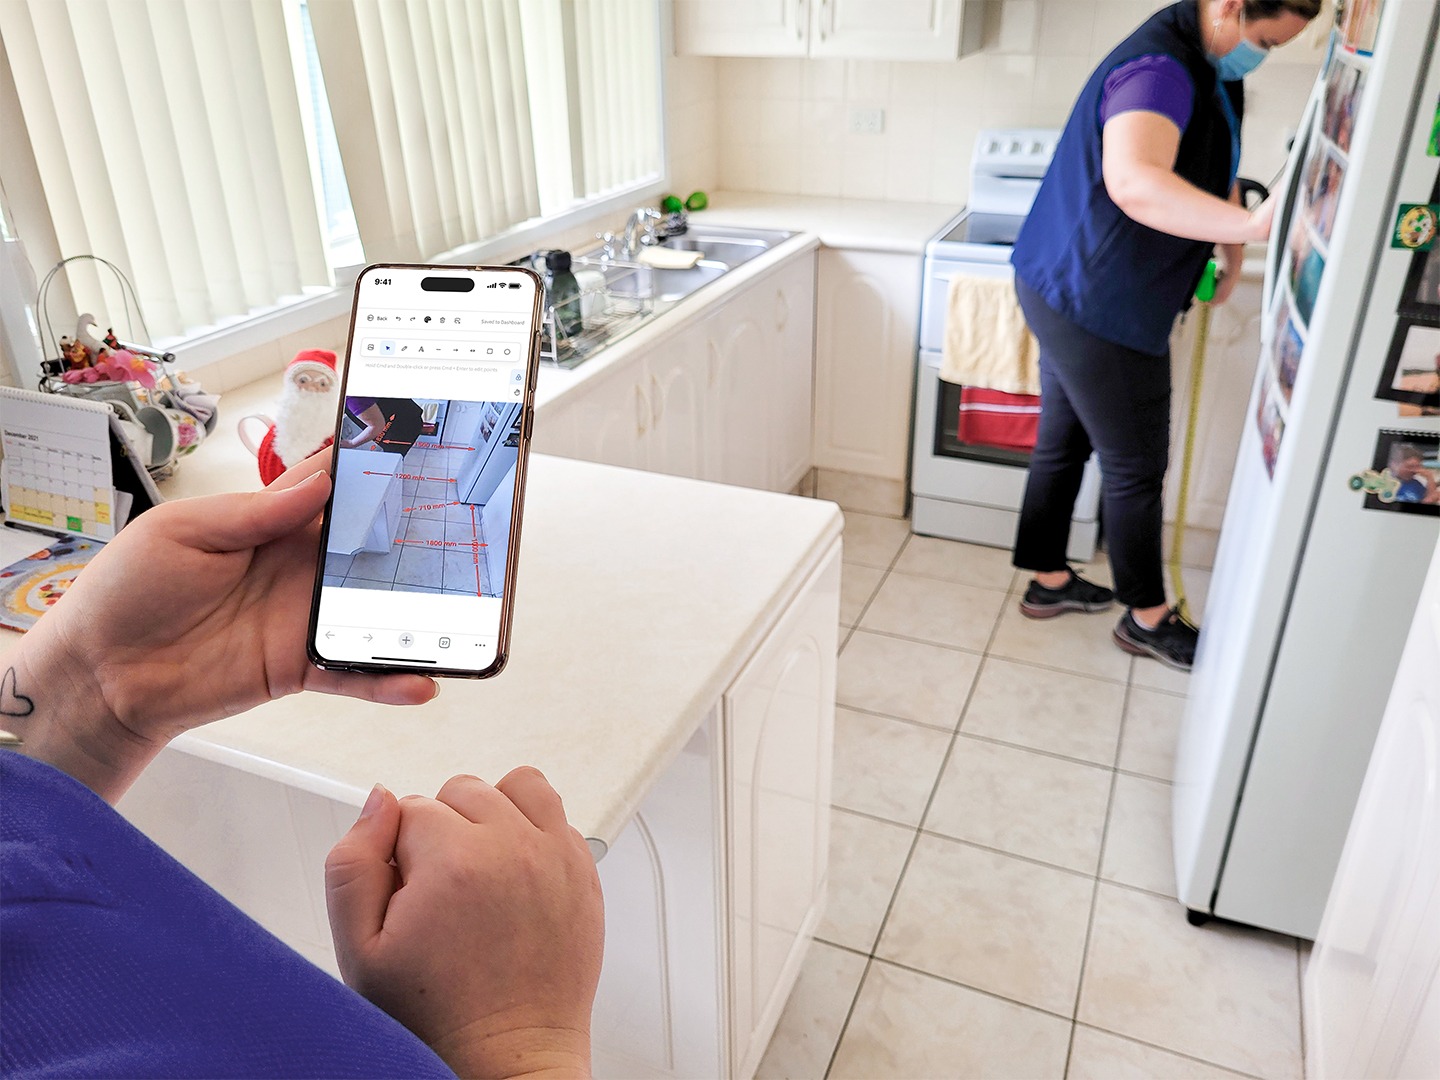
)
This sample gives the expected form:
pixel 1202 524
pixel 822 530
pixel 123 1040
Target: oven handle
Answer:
pixel 931 359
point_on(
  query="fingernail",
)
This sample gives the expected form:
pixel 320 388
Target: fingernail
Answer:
pixel 436 684
pixel 372 804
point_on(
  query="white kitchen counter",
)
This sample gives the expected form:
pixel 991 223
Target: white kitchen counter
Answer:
pixel 639 598
pixel 854 224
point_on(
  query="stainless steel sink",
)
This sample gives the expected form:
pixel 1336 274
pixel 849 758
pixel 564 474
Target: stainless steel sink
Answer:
pixel 635 292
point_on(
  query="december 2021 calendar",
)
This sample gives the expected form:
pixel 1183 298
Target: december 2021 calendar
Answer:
pixel 60 469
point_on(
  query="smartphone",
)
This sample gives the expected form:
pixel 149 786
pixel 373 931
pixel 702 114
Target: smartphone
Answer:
pixel 422 530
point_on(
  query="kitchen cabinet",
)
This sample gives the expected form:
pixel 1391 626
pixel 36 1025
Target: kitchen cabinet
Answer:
pixel 1372 987
pixel 743 815
pixel 830 29
pixel 867 309
pixel 725 397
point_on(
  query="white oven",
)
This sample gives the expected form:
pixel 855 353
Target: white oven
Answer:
pixel 967 490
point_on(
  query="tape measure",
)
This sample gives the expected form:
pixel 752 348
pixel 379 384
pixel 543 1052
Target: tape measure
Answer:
pixel 1205 293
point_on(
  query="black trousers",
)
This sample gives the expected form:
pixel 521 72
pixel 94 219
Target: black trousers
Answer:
pixel 1096 394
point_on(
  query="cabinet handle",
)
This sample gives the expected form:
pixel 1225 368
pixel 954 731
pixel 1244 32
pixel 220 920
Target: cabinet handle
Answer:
pixel 782 318
pixel 824 11
pixel 656 405
pixel 641 410
pixel 800 19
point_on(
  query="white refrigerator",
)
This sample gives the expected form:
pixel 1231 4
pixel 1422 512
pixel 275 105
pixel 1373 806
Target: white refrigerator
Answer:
pixel 1330 520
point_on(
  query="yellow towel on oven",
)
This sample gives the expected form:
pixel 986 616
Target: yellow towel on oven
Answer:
pixel 987 343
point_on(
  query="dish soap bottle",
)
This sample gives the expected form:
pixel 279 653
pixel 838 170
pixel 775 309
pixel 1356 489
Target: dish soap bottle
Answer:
pixel 564 295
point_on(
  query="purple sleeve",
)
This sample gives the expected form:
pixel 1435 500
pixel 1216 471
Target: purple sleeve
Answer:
pixel 1158 84
pixel 358 405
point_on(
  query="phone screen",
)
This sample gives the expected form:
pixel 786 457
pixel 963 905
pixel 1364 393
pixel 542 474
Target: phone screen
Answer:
pixel 420 535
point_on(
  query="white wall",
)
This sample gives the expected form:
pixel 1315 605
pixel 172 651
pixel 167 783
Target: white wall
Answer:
pixel 782 124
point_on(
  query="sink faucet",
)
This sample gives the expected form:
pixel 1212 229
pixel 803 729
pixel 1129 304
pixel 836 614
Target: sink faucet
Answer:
pixel 644 220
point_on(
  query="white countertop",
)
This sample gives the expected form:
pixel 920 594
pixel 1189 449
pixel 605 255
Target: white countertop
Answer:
pixel 639 599
pixel 854 224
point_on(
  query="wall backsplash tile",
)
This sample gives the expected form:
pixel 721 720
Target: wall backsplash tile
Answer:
pixel 784 125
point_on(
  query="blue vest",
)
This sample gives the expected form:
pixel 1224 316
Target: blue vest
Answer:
pixel 1122 281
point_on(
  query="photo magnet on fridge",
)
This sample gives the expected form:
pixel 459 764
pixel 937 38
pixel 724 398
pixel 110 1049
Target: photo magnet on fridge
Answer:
pixel 1420 301
pixel 1416 226
pixel 1412 368
pixel 1404 475
pixel 1434 148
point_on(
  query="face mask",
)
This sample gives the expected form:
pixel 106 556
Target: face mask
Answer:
pixel 1241 60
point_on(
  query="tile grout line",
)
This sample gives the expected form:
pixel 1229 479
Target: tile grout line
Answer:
pixel 1300 1000
pixel 914 840
pixel 1095 887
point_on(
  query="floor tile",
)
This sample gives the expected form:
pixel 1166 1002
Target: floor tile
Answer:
pixel 1075 642
pixel 909 679
pixel 866 857
pixel 1099 1055
pixel 1153 675
pixel 1138 847
pixel 1030 706
pixel 1150 733
pixel 376 566
pixel 871 540
pixel 990 921
pixel 857 586
pixel 909 1025
pixel 965 564
pixel 937 611
pixel 420 566
pixel 1223 994
pixel 424 529
pixel 885 767
pixel 804 1040
pixel 1025 803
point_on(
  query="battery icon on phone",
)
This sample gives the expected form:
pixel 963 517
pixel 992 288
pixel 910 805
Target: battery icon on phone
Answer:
pixel 514 284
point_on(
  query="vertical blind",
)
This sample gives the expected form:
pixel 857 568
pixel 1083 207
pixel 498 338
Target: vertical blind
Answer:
pixel 177 138
pixel 167 137
pixel 431 112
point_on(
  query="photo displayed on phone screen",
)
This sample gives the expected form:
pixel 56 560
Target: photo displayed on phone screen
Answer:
pixel 429 468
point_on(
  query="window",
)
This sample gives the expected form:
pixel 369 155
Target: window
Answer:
pixel 254 149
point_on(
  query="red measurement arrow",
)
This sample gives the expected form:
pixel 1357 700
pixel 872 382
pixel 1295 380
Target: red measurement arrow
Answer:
pixel 427 506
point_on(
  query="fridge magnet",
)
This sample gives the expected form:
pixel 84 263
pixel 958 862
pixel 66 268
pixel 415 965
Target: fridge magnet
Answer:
pixel 1362 23
pixel 1342 102
pixel 1412 368
pixel 1434 148
pixel 1326 175
pixel 1416 227
pixel 1421 299
pixel 1404 475
pixel 1289 347
pixel 1272 427
pixel 1307 269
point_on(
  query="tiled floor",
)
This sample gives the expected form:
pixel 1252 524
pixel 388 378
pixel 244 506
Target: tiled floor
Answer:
pixel 436 546
pixel 1001 891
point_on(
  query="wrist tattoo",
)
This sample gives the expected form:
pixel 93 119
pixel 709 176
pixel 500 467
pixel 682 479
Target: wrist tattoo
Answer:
pixel 12 702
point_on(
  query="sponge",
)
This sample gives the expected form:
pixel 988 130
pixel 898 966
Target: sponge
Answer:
pixel 663 258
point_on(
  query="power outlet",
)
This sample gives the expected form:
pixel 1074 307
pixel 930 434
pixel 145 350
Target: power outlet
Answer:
pixel 867 121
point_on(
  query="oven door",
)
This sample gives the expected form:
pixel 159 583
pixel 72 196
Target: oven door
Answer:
pixel 946 468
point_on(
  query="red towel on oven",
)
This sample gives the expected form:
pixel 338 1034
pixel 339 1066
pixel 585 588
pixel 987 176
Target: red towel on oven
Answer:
pixel 1003 421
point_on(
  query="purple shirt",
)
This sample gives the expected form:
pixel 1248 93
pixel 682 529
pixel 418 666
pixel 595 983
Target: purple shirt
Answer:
pixel 1155 83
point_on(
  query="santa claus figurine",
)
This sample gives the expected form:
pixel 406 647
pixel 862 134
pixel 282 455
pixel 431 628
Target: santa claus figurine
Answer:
pixel 305 418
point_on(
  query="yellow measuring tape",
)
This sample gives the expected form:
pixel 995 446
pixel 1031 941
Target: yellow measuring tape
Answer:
pixel 1205 293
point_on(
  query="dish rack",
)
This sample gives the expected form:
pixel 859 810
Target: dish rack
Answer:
pixel 608 315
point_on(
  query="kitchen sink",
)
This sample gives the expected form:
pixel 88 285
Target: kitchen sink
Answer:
pixel 634 292
pixel 665 286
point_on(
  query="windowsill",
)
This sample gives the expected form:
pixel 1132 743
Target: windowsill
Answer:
pixel 243 350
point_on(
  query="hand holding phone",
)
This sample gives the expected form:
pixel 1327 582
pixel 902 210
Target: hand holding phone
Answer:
pixel 418 550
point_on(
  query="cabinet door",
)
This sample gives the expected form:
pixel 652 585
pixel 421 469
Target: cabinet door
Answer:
pixel 1372 988
pixel 611 421
pixel 741 343
pixel 792 374
pixel 659 1010
pixel 682 420
pixel 886 29
pixel 741 27
pixel 867 312
pixel 779 727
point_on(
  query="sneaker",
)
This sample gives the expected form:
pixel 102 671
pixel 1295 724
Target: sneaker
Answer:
pixel 1077 594
pixel 1172 642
